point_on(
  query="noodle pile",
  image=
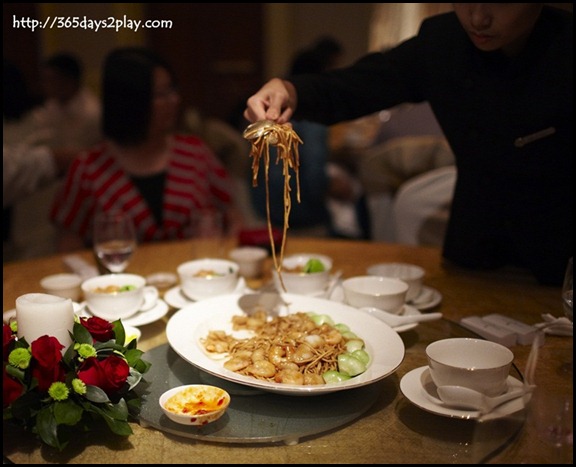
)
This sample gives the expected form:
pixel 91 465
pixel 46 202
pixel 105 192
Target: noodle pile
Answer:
pixel 286 140
pixel 291 349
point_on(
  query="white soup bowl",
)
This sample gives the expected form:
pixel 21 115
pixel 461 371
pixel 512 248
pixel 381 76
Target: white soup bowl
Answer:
pixel 297 281
pixel 106 295
pixel 208 277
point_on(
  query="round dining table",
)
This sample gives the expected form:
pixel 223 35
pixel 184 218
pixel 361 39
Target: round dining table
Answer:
pixel 385 422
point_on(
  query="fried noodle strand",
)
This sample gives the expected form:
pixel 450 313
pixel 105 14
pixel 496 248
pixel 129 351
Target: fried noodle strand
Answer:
pixel 286 140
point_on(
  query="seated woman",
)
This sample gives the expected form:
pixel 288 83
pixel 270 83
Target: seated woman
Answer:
pixel 142 166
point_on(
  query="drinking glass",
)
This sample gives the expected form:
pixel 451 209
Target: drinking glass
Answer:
pixel 567 290
pixel 114 240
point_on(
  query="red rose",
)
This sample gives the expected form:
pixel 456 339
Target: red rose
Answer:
pixel 46 350
pixel 7 338
pixel 46 354
pixel 109 374
pixel 11 389
pixel 100 329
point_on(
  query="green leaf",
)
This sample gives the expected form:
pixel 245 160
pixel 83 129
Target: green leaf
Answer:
pixel 96 395
pixel 115 416
pixel 118 411
pixel 81 334
pixel 26 405
pixel 119 427
pixel 15 372
pixel 133 379
pixel 119 332
pixel 47 428
pixel 67 412
pixel 69 355
pixel 132 356
pixel 142 366
pixel 108 347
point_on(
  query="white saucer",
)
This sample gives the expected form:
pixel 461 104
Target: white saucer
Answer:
pixel 418 387
pixel 429 298
pixel 139 319
pixel 176 298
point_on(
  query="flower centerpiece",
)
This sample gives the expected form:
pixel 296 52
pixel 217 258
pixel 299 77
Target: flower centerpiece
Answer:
pixel 55 394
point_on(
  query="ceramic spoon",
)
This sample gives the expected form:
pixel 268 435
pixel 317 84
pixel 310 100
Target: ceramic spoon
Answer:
pixel 398 320
pixel 269 301
pixel 461 397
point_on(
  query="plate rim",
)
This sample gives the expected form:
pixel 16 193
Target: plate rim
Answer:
pixel 191 350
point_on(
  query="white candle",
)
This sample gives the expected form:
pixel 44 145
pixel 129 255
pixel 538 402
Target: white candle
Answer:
pixel 39 314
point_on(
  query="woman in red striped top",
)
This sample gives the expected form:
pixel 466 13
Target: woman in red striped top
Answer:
pixel 141 167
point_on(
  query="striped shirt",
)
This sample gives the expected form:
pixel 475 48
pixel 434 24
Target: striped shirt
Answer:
pixel 195 179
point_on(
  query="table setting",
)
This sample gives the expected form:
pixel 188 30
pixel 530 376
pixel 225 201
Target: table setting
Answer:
pixel 395 397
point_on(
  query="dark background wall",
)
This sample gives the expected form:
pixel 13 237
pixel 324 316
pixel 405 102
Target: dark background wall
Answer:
pixel 222 52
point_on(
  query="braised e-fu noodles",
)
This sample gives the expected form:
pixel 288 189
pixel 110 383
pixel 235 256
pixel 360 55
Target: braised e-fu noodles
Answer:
pixel 261 135
pixel 289 349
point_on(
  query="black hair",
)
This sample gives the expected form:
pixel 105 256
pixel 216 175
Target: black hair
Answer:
pixel 127 93
pixel 320 56
pixel 67 65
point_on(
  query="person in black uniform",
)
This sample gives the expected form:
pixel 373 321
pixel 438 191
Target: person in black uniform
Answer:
pixel 498 77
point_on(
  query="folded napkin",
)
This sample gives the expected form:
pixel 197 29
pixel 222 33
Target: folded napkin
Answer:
pixel 76 264
pixel 555 326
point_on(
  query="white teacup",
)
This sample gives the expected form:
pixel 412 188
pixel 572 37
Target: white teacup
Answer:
pixel 412 274
pixel 106 298
pixel 473 363
pixel 65 285
pixel 385 293
pixel 250 259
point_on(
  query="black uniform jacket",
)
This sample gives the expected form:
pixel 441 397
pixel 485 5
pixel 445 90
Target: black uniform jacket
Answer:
pixel 508 121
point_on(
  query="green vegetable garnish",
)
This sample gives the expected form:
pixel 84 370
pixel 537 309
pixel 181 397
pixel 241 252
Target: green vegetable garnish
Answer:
pixel 313 265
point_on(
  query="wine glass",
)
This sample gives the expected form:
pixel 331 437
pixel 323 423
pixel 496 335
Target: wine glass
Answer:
pixel 114 240
pixel 567 287
pixel 207 227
